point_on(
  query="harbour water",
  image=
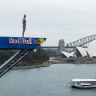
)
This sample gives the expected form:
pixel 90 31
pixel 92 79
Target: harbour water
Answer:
pixel 47 81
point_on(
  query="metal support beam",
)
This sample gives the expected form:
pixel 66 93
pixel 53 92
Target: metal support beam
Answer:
pixel 11 62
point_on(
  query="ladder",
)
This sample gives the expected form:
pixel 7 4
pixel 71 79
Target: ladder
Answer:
pixel 11 62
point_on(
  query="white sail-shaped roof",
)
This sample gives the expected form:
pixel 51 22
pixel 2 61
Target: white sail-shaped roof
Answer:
pixel 82 51
pixel 66 54
pixel 92 45
pixel 94 55
pixel 90 52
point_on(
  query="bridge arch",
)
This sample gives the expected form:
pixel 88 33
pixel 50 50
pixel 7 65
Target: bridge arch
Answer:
pixel 83 41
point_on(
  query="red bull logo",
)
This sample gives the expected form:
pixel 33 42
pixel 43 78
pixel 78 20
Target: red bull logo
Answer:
pixel 14 41
pixel 25 40
pixel 20 41
pixel 39 41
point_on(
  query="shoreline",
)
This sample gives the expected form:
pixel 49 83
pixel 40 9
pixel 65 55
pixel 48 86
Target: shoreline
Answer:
pixel 37 65
pixel 79 60
pixel 58 60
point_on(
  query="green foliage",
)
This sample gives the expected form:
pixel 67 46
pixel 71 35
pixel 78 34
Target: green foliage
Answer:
pixel 38 56
pixel 5 54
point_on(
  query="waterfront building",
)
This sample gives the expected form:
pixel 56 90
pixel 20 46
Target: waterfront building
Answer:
pixel 89 52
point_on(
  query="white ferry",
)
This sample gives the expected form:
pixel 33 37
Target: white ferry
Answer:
pixel 83 83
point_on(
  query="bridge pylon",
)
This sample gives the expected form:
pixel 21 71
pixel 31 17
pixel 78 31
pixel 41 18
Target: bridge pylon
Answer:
pixel 61 46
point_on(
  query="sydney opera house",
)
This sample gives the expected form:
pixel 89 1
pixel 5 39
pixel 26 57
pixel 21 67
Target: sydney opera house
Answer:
pixel 89 52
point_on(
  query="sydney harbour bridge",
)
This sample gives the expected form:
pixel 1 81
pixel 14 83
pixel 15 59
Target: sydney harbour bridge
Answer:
pixel 83 42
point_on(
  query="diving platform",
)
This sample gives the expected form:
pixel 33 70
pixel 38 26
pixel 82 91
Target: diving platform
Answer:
pixel 25 46
pixel 20 42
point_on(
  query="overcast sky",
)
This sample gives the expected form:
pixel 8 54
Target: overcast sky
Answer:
pixel 54 19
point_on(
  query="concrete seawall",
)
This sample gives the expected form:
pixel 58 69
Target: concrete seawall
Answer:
pixel 77 60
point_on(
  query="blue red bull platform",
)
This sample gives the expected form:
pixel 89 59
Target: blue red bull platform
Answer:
pixel 20 42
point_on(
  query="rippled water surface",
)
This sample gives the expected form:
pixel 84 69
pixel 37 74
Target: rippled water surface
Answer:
pixel 47 81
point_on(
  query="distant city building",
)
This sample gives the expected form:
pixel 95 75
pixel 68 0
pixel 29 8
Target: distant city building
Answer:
pixel 61 46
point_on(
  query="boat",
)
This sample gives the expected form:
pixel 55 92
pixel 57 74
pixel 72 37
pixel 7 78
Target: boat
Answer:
pixel 83 83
